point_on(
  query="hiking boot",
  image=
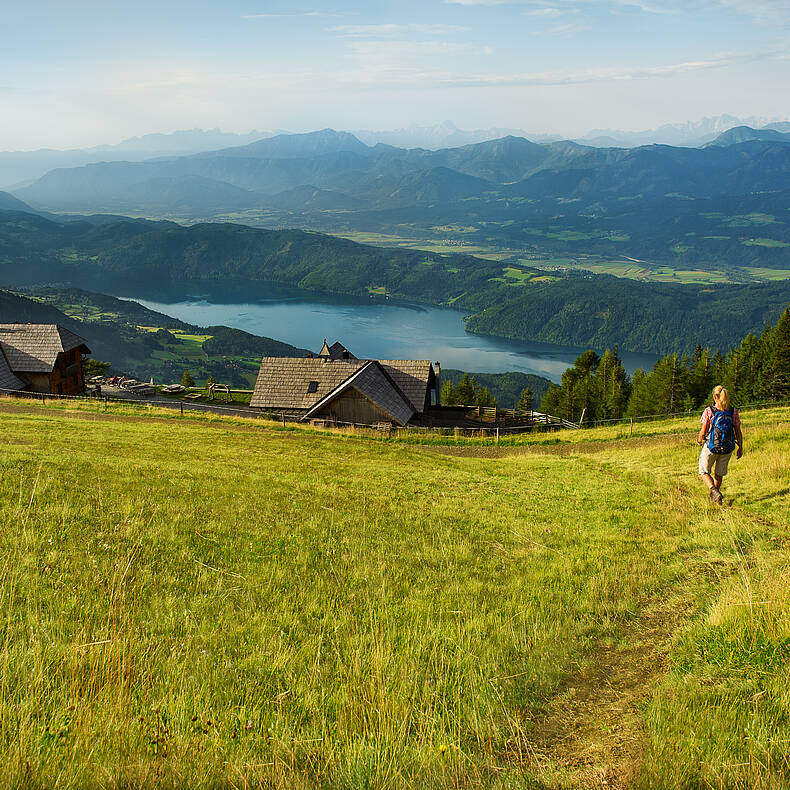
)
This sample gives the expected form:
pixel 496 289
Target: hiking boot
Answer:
pixel 715 496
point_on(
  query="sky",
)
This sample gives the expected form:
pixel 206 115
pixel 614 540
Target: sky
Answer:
pixel 84 72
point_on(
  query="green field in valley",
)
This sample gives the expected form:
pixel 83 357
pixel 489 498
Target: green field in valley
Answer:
pixel 221 603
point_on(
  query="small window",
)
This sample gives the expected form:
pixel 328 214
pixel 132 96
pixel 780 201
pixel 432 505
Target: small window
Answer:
pixel 312 386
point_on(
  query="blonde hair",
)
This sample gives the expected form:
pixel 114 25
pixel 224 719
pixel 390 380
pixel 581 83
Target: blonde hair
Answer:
pixel 722 395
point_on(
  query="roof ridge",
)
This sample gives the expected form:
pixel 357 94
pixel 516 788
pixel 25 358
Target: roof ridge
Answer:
pixel 394 384
pixel 349 382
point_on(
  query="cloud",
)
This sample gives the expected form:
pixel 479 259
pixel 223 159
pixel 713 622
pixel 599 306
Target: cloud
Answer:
pixel 548 13
pixel 396 30
pixel 324 14
pixel 557 78
pixel 568 29
pixel 767 11
pixel 401 51
pixel 574 5
pixel 764 11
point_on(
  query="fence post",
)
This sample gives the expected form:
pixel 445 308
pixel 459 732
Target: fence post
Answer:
pixel 632 428
pixel 282 414
pixel 497 434
pixel 182 408
pixel 105 403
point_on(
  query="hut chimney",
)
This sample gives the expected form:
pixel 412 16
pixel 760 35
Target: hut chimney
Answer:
pixel 438 370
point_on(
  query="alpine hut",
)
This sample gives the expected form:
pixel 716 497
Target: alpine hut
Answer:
pixel 335 385
pixel 41 358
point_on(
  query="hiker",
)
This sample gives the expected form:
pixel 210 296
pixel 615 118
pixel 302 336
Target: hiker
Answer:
pixel 718 436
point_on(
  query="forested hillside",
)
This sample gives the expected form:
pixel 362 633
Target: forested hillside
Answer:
pixel 503 299
pixel 756 371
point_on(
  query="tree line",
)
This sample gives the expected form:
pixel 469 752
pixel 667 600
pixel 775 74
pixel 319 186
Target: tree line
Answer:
pixel 599 388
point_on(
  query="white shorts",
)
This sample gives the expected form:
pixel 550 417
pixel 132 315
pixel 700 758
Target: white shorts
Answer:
pixel 713 463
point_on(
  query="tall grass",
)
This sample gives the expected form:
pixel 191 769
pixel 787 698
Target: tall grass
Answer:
pixel 232 607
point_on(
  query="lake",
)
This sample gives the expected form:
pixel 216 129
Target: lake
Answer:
pixel 369 328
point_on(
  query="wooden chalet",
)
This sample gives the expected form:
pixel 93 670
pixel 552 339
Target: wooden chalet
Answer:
pixel 337 386
pixel 43 358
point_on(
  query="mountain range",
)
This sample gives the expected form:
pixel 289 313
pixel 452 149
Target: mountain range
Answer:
pixel 721 207
pixel 384 177
pixel 689 134
pixel 17 168
pixel 20 167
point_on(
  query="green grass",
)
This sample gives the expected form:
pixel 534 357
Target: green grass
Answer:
pixel 202 602
pixel 764 243
pixel 770 274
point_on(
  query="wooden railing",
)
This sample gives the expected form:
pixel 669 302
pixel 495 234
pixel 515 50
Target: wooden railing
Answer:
pixel 523 416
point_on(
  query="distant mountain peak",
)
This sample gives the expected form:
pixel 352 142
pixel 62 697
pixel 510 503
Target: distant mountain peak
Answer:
pixel 686 133
pixel 297 146
pixel 743 134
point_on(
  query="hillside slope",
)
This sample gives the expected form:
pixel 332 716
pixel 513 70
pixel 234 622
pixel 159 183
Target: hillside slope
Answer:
pixel 125 334
pixel 518 302
pixel 222 604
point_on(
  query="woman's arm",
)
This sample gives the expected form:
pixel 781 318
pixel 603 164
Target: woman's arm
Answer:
pixel 703 431
pixel 739 440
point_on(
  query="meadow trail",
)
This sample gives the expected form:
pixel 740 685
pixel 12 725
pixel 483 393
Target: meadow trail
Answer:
pixel 592 730
pixel 592 733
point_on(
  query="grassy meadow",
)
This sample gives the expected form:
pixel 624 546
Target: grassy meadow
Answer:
pixel 205 602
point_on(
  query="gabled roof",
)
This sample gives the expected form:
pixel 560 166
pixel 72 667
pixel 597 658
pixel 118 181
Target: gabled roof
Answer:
pixel 284 382
pixel 372 381
pixel 8 381
pixel 34 348
pixel 302 383
pixel 336 351
pixel 412 377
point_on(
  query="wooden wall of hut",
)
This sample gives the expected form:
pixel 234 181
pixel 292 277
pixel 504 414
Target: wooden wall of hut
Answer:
pixel 67 377
pixel 354 407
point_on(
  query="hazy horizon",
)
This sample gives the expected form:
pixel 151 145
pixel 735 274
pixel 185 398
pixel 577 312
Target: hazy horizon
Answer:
pixel 88 74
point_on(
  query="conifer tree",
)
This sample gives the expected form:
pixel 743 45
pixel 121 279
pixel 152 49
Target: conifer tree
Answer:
pixel 465 392
pixel 526 399
pixel 639 400
pixel 779 364
pixel 449 396
pixel 668 385
pixel 552 400
pixel 612 386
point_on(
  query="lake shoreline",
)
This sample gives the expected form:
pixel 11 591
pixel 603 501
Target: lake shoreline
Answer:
pixel 371 327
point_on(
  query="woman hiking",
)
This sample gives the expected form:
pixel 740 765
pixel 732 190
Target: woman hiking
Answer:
pixel 718 436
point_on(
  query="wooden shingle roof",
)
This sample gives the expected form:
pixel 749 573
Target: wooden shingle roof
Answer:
pixel 412 377
pixel 337 351
pixel 374 383
pixel 302 383
pixel 285 382
pixel 8 381
pixel 34 348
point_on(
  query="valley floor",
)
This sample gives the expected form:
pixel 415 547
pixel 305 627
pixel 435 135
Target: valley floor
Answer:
pixel 216 603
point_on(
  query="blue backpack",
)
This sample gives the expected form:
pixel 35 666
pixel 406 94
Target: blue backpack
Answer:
pixel 721 439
